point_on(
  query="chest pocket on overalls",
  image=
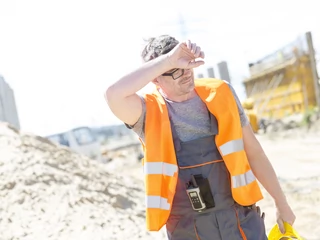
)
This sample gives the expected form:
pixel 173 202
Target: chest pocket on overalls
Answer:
pixel 198 152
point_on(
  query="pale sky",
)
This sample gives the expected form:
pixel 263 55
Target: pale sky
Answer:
pixel 60 55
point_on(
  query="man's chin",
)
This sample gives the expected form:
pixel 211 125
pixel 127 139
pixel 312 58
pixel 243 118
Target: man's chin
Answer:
pixel 190 87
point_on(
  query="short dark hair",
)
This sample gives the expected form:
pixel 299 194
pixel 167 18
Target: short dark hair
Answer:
pixel 157 46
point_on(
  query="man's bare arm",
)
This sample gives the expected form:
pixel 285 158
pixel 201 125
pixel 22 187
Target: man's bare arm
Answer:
pixel 121 96
pixel 266 175
pixel 261 165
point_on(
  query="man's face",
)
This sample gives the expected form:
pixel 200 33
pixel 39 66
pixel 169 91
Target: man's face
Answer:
pixel 177 82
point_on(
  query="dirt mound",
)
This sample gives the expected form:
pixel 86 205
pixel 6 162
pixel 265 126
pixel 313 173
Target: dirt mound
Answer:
pixel 50 192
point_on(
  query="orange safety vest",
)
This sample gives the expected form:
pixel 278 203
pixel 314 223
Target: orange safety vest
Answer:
pixel 160 164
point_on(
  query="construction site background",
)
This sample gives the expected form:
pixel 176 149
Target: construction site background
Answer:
pixel 283 88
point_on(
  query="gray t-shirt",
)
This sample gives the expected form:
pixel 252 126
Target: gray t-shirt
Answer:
pixel 190 118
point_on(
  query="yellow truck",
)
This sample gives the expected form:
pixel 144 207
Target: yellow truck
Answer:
pixel 284 86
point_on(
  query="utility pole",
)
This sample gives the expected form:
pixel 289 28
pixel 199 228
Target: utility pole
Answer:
pixel 313 67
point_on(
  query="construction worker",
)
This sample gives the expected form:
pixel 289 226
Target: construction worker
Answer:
pixel 201 157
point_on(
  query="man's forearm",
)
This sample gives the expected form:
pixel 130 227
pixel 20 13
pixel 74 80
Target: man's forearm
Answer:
pixel 139 78
pixel 261 166
pixel 266 175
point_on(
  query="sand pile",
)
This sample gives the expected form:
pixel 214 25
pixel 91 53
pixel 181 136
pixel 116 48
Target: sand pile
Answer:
pixel 49 192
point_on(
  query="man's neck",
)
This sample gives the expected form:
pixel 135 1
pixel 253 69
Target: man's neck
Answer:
pixel 179 98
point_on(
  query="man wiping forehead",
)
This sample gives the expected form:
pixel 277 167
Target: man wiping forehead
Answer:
pixel 189 126
pixel 202 160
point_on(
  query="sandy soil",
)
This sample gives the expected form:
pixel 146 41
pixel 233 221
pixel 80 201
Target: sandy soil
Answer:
pixel 50 192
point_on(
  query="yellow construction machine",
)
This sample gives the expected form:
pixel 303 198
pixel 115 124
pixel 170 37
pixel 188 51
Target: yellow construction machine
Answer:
pixel 283 86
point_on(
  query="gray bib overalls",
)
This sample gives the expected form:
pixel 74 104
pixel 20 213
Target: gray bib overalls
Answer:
pixel 227 220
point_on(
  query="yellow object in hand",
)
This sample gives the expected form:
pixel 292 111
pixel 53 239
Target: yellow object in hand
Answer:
pixel 290 233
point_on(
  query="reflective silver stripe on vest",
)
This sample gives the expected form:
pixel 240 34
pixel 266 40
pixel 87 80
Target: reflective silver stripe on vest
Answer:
pixel 157 202
pixel 243 179
pixel 231 147
pixel 160 168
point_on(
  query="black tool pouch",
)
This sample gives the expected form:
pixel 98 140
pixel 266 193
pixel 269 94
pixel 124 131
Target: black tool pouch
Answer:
pixel 205 190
